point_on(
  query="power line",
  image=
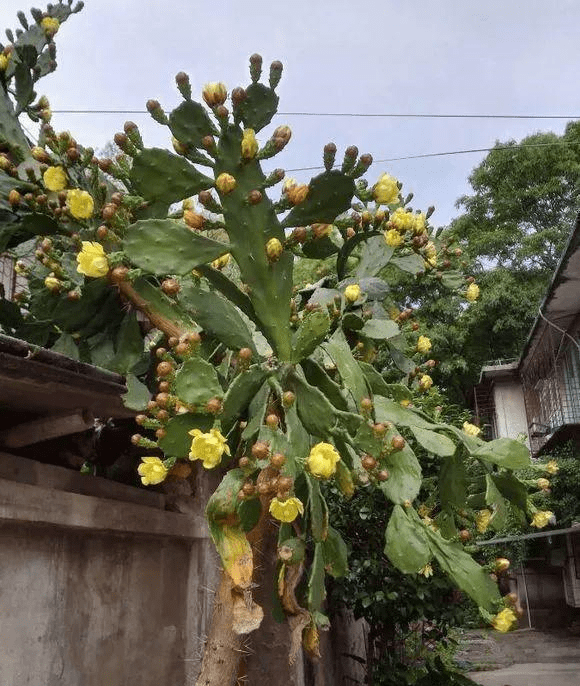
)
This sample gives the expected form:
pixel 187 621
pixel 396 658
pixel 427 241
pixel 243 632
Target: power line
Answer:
pixel 390 159
pixel 451 152
pixel 402 115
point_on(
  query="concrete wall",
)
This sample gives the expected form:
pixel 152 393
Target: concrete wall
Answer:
pixel 510 410
pixel 100 585
pixel 97 590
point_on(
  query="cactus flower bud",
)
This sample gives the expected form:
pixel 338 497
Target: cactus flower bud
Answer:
pixel 194 220
pixel 321 230
pixel 14 197
pixel 274 249
pixel 214 93
pixel 238 96
pixel 156 111
pixel 502 564
pixel 40 154
pixel 225 183
pixel 182 81
pixel 178 146
pixel 249 144
pixel 352 293
pixel 52 283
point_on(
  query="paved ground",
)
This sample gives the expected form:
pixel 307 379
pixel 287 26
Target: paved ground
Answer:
pixel 532 674
pixel 521 658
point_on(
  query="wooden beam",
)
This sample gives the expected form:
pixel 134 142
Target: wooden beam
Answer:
pixel 46 428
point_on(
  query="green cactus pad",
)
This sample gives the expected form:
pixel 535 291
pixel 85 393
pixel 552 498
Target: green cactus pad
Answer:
pixel 229 289
pixel 316 376
pixel 310 334
pixel 240 393
pixel 164 306
pixel 217 316
pixel 315 411
pixel 330 194
pixel 259 107
pixel 177 440
pixel 197 382
pixel 158 175
pixel 320 249
pixel 189 123
pixel 165 246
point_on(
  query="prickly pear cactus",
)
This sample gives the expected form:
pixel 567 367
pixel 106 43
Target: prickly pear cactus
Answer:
pixel 272 385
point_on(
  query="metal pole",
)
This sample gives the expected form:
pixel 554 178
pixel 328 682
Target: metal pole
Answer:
pixel 526 595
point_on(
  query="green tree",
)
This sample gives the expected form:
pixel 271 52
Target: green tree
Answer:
pixel 513 228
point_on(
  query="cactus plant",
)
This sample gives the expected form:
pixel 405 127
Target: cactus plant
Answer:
pixel 272 385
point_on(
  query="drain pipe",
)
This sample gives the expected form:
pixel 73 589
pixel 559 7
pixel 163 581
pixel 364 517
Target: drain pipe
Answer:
pixel 526 595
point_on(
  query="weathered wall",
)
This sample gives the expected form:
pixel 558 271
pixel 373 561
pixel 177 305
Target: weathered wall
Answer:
pixel 98 591
pixel 510 410
pixel 101 586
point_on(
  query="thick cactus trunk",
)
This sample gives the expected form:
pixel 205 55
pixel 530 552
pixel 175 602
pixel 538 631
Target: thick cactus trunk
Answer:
pixel 222 654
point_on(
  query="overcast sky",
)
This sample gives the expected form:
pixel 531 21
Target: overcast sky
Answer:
pixel 376 56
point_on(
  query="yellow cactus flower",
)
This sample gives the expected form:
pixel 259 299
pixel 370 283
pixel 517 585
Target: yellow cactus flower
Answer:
pixel 394 238
pixel 80 204
pixel 504 620
pixel 249 144
pixel 50 25
pixel 296 193
pixel 472 292
pixel 274 249
pixel 286 510
pixel 225 183
pixel 401 220
pixel 4 59
pixel 386 190
pixel 221 262
pixel 322 460
pixel 543 484
pixel 541 518
pixel 419 223
pixel 352 293
pixel 92 260
pixel 426 571
pixel 471 429
pixel 430 250
pixel 52 283
pixel 152 471
pixel 214 93
pixel 405 402
pixel 425 382
pixel 208 447
pixel 482 519
pixel 54 179
pixel 552 467
pixel 424 344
